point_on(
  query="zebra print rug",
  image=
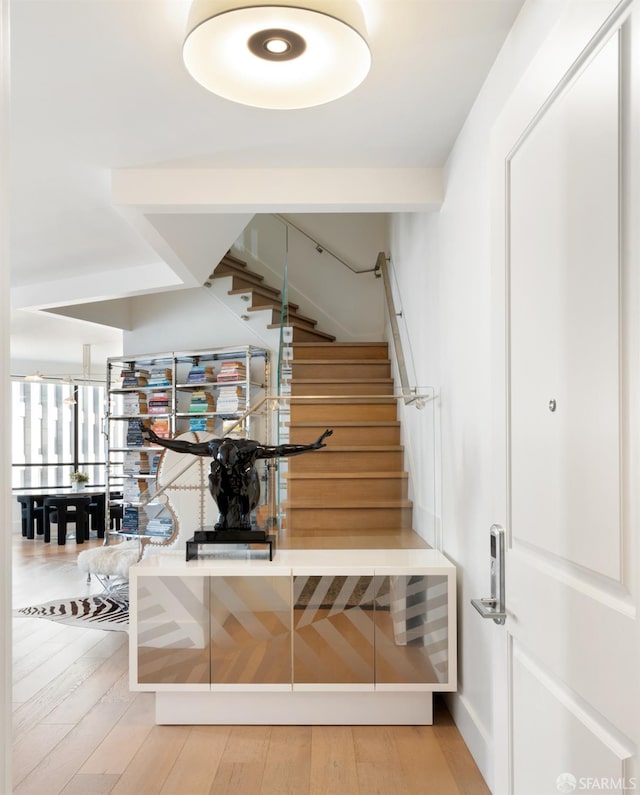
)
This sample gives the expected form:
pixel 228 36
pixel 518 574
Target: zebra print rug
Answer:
pixel 98 611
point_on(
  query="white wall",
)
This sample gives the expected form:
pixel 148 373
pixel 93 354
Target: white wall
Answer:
pixel 443 267
pixel 184 319
pixel 344 304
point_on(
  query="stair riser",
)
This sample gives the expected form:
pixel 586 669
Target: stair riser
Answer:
pixel 356 435
pixel 303 519
pixel 340 351
pixel 318 491
pixel 348 461
pixel 326 412
pixel 344 388
pixel 338 369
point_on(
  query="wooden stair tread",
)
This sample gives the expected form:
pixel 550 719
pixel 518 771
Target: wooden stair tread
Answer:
pixel 343 400
pixel 372 380
pixel 365 448
pixel 228 269
pixel 333 362
pixel 349 504
pixel 345 344
pixel 343 475
pixel 266 292
pixel 345 424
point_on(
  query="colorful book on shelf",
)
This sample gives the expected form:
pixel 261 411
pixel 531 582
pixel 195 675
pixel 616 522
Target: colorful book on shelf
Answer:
pixel 229 399
pixel 130 520
pixel 162 428
pixel 133 404
pixel 204 424
pixel 160 376
pixel 134 433
pixel 201 401
pixel 134 377
pixel 159 526
pixel 232 371
pixel 200 374
pixel 135 464
pixel 159 403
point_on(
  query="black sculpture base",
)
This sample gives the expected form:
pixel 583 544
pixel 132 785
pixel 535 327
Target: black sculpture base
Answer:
pixel 230 536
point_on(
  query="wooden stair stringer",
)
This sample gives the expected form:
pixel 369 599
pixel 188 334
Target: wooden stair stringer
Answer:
pixel 265 301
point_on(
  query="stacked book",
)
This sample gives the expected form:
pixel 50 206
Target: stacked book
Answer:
pixel 159 376
pixel 229 400
pixel 133 376
pixel 154 458
pixel 159 526
pixel 199 374
pixel 161 428
pixel 202 424
pixel 159 403
pixel 135 490
pixel 201 402
pixel 232 371
pixel 130 520
pixel 134 433
pixel 134 404
pixel 135 464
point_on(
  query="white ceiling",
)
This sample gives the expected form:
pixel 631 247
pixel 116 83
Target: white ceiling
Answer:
pixel 99 85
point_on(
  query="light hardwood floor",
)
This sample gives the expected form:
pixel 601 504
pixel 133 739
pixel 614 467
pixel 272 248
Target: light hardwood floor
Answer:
pixel 79 731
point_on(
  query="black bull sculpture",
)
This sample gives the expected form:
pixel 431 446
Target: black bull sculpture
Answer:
pixel 233 480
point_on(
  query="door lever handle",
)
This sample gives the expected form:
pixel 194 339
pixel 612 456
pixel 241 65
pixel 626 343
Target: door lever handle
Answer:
pixel 487 607
pixel 493 606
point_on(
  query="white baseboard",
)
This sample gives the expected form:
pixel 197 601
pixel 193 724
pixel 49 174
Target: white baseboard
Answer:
pixel 295 708
pixel 473 732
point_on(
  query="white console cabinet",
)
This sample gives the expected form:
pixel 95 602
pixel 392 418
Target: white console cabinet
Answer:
pixel 313 637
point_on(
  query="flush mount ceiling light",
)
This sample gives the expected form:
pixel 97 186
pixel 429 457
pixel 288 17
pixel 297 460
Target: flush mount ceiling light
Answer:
pixel 277 56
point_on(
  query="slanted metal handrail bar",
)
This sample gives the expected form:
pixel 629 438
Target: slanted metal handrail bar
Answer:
pixel 321 248
pixel 409 393
pixel 419 398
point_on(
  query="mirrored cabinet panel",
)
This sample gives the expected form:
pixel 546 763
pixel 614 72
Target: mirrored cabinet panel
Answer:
pixel 251 630
pixel 173 634
pixel 411 625
pixel 333 629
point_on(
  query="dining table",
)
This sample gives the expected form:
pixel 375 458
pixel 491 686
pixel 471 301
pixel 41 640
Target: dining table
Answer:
pixel 35 518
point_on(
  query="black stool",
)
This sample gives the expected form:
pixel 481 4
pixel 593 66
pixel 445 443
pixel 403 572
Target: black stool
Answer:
pixel 32 510
pixel 96 512
pixel 115 512
pixel 57 509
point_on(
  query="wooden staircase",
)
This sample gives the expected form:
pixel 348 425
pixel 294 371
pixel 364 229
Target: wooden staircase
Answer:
pixel 354 491
pixel 263 298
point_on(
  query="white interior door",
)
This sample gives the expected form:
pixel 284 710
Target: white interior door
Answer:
pixel 571 447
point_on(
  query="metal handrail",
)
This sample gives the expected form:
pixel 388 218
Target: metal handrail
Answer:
pixel 409 393
pixel 321 248
pixel 422 398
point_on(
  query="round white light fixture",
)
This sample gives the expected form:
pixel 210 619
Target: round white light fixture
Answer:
pixel 277 56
